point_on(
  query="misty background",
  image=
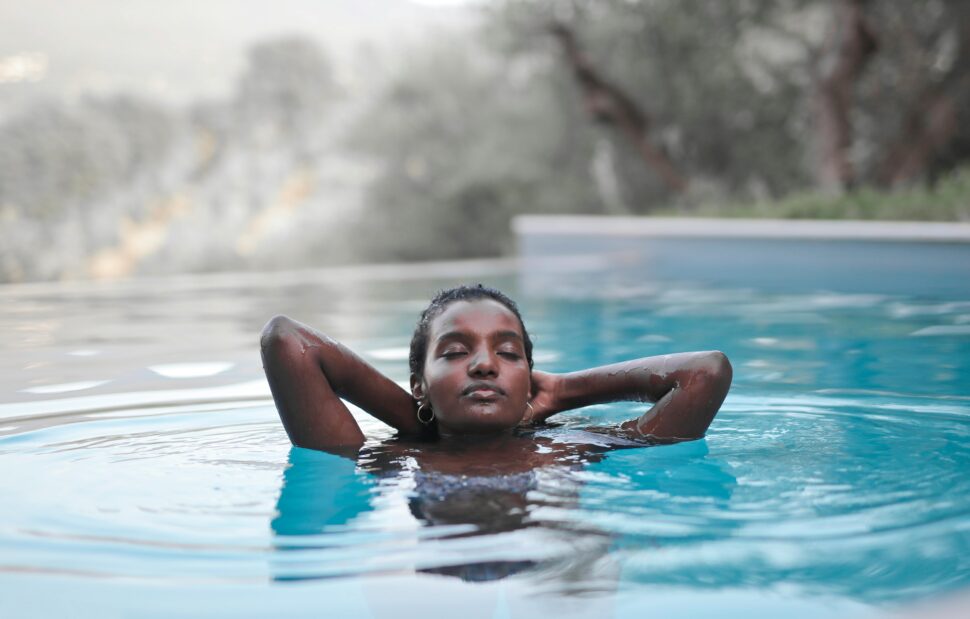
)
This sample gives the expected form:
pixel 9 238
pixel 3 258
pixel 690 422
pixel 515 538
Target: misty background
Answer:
pixel 138 137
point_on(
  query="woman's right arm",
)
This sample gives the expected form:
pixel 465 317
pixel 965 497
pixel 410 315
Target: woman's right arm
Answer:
pixel 309 373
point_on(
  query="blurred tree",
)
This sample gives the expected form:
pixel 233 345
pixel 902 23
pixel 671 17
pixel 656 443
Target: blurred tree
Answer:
pixel 915 97
pixel 746 101
pixel 286 87
pixel 890 81
pixel 106 174
pixel 609 105
pixel 721 83
pixel 743 100
pixel 55 157
pixel 280 106
pixel 849 51
pixel 737 93
pixel 464 139
pixel 60 170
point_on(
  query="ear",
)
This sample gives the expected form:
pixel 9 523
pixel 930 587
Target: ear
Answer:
pixel 417 388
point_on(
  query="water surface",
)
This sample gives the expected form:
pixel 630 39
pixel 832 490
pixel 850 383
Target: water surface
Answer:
pixel 146 472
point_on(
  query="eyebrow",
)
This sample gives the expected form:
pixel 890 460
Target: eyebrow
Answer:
pixel 461 335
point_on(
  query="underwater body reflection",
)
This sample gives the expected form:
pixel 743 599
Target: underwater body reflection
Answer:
pixel 522 515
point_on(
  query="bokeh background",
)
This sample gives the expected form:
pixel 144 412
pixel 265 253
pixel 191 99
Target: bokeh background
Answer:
pixel 140 137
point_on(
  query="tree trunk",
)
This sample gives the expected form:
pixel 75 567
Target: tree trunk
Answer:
pixel 932 122
pixel 854 44
pixel 607 104
pixel 928 127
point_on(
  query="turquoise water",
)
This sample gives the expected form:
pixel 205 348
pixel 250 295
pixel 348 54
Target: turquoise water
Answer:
pixel 146 473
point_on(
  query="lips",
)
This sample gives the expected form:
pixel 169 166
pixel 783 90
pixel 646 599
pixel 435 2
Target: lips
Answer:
pixel 482 389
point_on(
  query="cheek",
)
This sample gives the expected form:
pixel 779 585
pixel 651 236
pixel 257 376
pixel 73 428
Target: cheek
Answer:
pixel 523 385
pixel 439 384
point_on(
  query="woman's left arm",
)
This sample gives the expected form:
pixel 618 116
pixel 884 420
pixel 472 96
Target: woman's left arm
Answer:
pixel 687 390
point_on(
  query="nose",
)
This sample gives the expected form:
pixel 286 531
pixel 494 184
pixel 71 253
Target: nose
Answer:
pixel 482 364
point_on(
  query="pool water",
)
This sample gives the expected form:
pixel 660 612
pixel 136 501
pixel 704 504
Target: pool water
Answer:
pixel 145 472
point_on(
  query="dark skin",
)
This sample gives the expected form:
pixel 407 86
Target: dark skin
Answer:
pixel 477 380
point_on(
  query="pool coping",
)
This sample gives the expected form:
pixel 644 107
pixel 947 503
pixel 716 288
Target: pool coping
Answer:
pixel 703 227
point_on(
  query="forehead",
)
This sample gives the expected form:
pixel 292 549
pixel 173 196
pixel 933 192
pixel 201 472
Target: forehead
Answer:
pixel 481 315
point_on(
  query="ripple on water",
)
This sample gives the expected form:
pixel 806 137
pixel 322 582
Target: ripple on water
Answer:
pixel 833 491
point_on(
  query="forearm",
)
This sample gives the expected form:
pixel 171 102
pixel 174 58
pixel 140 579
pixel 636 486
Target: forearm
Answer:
pixel 688 389
pixel 639 380
pixel 309 373
pixel 358 382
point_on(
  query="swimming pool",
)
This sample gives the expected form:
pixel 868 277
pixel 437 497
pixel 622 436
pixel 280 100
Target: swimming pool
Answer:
pixel 146 472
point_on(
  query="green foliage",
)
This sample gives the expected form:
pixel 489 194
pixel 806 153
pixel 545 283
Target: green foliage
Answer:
pixel 721 82
pixel 946 200
pixel 286 87
pixel 470 132
pixel 464 130
pixel 161 190
pixel 464 142
pixel 54 157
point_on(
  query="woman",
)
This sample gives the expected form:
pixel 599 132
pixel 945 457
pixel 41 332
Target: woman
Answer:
pixel 471 450
pixel 472 382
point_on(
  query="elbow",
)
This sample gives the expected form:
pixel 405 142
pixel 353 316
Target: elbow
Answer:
pixel 721 370
pixel 707 390
pixel 284 340
pixel 718 374
pixel 275 332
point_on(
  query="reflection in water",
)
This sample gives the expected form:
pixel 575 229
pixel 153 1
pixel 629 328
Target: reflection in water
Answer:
pixel 522 514
pixel 485 505
pixel 320 491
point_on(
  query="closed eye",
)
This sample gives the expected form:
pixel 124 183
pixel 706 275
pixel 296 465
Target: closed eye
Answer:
pixel 510 355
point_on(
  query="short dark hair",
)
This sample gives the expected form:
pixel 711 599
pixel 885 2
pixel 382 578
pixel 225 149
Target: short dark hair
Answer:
pixel 444 298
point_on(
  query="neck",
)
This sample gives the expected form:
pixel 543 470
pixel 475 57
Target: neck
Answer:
pixel 483 439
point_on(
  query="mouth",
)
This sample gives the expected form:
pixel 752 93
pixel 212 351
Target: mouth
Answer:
pixel 482 390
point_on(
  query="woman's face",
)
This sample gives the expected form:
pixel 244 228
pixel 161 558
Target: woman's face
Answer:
pixel 476 374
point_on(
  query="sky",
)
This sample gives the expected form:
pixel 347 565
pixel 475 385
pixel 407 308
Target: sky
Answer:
pixel 180 51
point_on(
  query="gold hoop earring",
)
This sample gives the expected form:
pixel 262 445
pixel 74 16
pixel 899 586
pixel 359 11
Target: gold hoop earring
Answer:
pixel 420 408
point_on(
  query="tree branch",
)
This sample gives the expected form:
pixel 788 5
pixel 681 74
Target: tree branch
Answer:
pixel 607 104
pixel 931 123
pixel 854 45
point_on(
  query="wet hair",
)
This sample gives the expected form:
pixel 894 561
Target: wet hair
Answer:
pixel 444 298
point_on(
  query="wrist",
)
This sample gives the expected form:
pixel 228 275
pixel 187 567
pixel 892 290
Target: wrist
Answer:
pixel 568 392
pixel 556 391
